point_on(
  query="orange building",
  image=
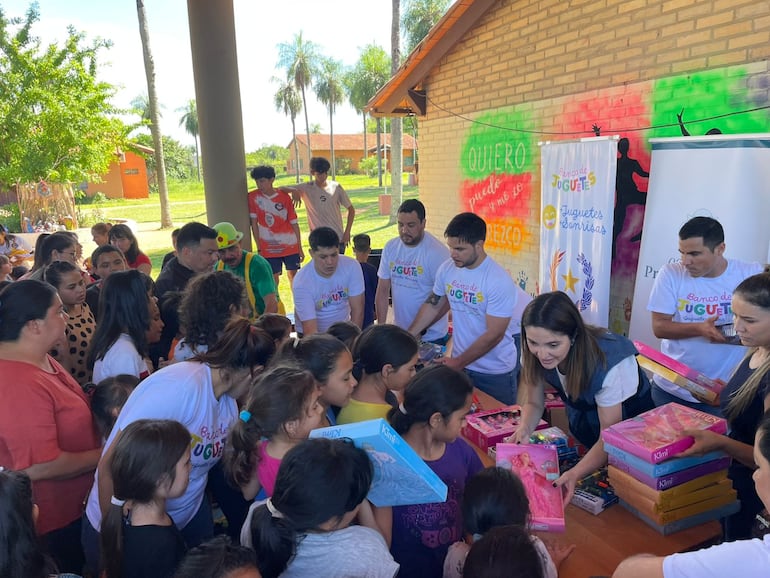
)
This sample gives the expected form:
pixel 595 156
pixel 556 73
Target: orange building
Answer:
pixel 126 177
pixel 350 147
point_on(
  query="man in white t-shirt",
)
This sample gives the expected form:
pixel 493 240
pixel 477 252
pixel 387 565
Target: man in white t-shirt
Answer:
pixel 330 290
pixel 323 199
pixel 482 297
pixel 690 305
pixel 408 270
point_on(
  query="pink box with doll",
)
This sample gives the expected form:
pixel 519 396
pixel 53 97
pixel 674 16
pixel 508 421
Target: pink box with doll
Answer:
pixel 713 385
pixel 656 435
pixel 537 466
pixel 487 428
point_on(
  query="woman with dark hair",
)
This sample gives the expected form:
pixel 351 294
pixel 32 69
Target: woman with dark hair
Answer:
pixel 45 419
pixel 304 528
pixel 200 394
pixel 385 358
pixel 58 246
pixel 594 372
pixel 503 552
pixel 209 301
pixel 120 342
pixel 122 237
pixel 72 353
pixel 20 554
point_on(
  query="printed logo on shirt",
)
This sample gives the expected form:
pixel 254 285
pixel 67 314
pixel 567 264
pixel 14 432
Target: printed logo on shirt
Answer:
pixel 332 298
pixel 461 293
pixel 695 307
pixel 406 270
pixel 208 444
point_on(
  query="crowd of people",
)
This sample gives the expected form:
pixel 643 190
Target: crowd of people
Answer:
pixel 154 401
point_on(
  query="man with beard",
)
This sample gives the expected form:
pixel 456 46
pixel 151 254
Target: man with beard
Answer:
pixel 252 268
pixel 482 297
pixel 408 270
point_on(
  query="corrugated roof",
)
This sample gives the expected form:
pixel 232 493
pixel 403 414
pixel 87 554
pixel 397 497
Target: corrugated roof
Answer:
pixel 347 142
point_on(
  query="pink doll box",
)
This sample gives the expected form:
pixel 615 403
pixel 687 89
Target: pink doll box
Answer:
pixel 537 466
pixel 487 428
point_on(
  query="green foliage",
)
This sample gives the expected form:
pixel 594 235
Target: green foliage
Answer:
pixel 11 217
pixel 344 165
pixel 274 156
pixel 419 17
pixel 179 158
pixel 55 117
pixel 369 74
pixel 369 166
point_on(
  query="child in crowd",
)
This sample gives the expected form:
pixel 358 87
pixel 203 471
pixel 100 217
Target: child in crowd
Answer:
pixel 493 497
pixel 505 551
pixel 345 331
pixel 107 399
pixel 20 553
pixel 429 419
pixel 5 268
pixel 72 353
pixel 150 463
pixel 218 558
pixel 100 233
pixel 122 237
pixel 304 528
pixel 277 326
pixel 119 344
pixel 18 272
pixel 362 247
pixel 331 364
pixel 282 409
pixel 385 357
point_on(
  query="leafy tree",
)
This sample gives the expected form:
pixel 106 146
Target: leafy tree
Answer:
pixel 154 111
pixel 315 128
pixel 330 90
pixel 300 60
pixel 396 134
pixel 272 155
pixel 369 74
pixel 289 102
pixel 56 119
pixel 190 122
pixel 419 17
pixel 178 157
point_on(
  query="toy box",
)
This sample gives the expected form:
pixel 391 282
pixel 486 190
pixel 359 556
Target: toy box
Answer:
pixel 594 493
pixel 714 386
pixel 656 435
pixel 537 466
pixel 618 456
pixel 401 477
pixel 697 390
pixel 675 478
pixel 624 483
pixel 487 428
pixel 684 523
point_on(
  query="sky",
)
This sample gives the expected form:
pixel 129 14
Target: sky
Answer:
pixel 340 28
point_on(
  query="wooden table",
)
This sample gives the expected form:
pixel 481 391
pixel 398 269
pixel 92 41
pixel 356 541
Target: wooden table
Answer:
pixel 605 540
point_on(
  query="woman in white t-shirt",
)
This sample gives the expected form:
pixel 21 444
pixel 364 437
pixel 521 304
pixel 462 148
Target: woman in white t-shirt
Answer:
pixel 594 372
pixel 119 345
pixel 744 558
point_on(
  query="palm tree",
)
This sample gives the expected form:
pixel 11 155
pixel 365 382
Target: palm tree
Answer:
pixel 289 102
pixel 190 122
pixel 330 90
pixel 300 60
pixel 152 97
pixel 396 154
pixel 419 17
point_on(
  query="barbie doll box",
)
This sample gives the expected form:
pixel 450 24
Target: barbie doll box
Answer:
pixel 401 477
pixel 537 466
pixel 656 435
pixel 488 428
pixel 679 373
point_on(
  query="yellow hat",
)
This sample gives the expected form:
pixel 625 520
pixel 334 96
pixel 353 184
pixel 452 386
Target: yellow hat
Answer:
pixel 227 235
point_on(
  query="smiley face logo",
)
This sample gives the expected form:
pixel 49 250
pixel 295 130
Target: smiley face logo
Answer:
pixel 549 216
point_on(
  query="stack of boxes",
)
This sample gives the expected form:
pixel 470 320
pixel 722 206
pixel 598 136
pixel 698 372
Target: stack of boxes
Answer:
pixel 666 492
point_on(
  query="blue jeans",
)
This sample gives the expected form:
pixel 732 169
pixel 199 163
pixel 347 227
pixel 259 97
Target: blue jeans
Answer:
pixel 503 386
pixel 662 397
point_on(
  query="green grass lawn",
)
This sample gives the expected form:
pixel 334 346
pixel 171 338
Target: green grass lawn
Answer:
pixel 187 204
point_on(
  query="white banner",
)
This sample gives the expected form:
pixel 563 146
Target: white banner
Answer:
pixel 726 177
pixel 578 191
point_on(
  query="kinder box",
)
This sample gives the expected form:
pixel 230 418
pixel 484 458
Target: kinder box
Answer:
pixel 673 479
pixel 657 470
pixel 656 435
pixel 401 477
pixel 714 385
pixel 537 466
pixel 624 483
pixel 487 428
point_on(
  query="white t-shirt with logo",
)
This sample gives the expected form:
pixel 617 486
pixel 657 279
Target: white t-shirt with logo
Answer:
pixel 691 300
pixel 183 392
pixel 744 558
pixel 325 299
pixel 473 294
pixel 412 272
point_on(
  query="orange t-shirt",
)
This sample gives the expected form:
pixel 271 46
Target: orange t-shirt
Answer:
pixel 275 219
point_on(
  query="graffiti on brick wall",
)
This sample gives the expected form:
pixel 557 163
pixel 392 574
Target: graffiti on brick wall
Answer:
pixel 497 167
